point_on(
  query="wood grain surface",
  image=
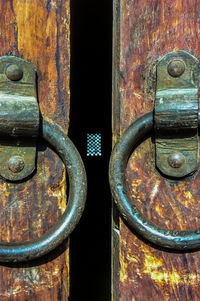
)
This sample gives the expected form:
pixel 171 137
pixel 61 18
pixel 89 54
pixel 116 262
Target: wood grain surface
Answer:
pixel 147 30
pixel 38 31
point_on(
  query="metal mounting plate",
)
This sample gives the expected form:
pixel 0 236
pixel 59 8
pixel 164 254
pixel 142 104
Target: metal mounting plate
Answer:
pixel 19 118
pixel 176 114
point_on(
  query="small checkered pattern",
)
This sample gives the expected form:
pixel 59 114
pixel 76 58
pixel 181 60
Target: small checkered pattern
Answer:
pixel 93 145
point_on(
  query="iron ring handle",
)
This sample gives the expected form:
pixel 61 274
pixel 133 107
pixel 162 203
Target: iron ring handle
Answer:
pixel 170 239
pixel 24 251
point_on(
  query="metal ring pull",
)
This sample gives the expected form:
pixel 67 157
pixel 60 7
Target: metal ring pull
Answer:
pixel 171 239
pixel 23 251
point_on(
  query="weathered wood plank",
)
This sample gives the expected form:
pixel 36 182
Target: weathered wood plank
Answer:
pixel 148 30
pixel 38 31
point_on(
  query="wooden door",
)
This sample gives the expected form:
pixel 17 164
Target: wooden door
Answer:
pixel 38 31
pixel 144 31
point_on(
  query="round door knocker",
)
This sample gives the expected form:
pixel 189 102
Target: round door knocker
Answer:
pixel 28 250
pixel 171 239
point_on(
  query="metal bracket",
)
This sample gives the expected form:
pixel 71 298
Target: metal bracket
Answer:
pixel 176 114
pixel 19 118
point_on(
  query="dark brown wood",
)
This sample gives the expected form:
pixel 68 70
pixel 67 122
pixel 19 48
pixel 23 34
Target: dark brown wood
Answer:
pixel 38 31
pixel 148 30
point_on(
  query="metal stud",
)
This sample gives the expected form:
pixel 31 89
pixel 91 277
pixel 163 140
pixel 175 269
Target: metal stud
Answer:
pixel 16 164
pixel 176 160
pixel 14 72
pixel 176 68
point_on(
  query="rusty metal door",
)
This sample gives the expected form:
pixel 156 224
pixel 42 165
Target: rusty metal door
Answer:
pixel 143 33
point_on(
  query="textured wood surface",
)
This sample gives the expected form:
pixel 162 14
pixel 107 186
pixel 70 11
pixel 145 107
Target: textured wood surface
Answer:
pixel 148 30
pixel 38 31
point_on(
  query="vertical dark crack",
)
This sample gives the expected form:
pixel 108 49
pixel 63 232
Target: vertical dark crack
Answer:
pixel 15 30
pixel 60 97
pixel 48 6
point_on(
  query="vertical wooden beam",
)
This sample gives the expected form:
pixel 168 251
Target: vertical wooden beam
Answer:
pixel 39 32
pixel 148 30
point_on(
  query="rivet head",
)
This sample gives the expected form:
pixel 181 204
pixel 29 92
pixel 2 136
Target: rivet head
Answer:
pixel 176 160
pixel 176 68
pixel 16 164
pixel 14 72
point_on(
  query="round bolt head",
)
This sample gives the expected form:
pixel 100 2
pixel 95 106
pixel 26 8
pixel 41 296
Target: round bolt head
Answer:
pixel 14 72
pixel 16 164
pixel 176 68
pixel 176 160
